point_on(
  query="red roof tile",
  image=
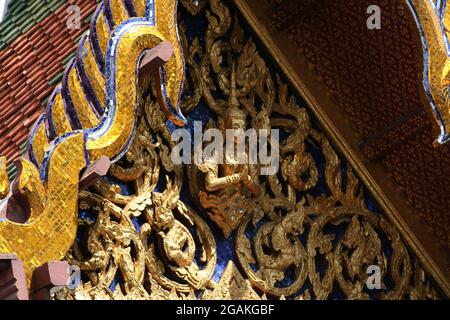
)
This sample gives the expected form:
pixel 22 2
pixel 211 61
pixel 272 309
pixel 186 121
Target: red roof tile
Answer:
pixel 26 68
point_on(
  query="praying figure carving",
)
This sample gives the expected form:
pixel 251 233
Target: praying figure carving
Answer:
pixel 231 186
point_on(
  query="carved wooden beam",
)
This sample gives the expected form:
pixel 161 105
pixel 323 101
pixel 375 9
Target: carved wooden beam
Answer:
pixel 155 58
pixel 52 275
pixel 94 172
pixel 13 285
pixel 47 278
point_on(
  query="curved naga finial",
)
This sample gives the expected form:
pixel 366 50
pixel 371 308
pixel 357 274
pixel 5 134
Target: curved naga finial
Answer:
pixel 91 114
pixel 433 20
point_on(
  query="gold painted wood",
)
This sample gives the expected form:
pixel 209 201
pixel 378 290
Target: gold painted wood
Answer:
pixel 366 171
pixel 290 232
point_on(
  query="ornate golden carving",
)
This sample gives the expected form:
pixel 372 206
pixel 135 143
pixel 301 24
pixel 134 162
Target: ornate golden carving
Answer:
pixel 49 182
pixel 229 190
pixel 232 286
pixel 402 151
pixel 308 227
pixel 158 261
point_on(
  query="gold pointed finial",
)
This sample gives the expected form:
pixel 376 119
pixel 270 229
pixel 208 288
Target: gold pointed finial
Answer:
pixel 234 111
pixel 234 102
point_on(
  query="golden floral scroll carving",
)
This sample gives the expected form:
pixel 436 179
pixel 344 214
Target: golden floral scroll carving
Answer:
pixel 308 235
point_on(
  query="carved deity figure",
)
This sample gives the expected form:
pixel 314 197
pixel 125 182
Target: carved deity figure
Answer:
pixel 231 187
